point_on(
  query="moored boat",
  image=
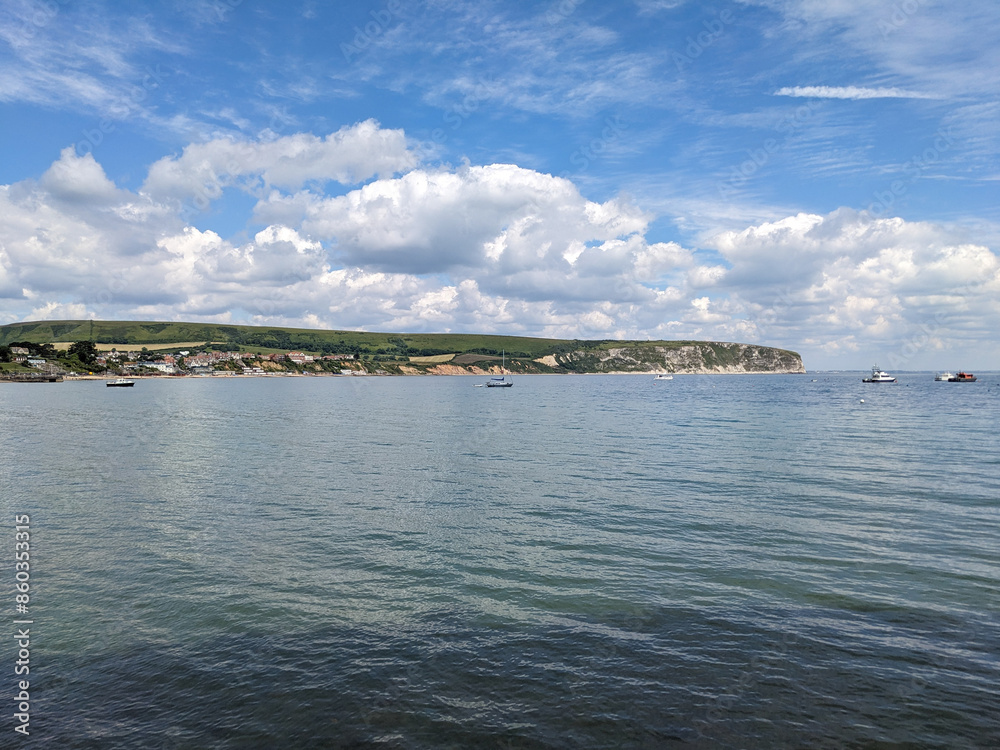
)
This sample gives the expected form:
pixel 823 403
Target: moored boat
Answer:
pixel 879 376
pixel 501 382
pixel 661 376
pixel 120 383
pixel 943 377
pixel 962 377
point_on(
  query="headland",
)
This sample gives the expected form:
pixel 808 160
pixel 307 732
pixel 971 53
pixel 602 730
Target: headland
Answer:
pixel 89 348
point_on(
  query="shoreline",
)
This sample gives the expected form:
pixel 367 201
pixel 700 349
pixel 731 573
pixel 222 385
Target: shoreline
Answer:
pixel 358 374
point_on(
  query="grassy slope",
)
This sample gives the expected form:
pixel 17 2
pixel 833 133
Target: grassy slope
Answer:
pixel 136 334
pixel 150 334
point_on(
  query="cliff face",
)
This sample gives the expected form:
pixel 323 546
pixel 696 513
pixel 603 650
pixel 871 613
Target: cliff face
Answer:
pixel 706 357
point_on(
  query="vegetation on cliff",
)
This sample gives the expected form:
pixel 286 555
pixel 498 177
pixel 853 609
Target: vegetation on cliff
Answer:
pixel 416 352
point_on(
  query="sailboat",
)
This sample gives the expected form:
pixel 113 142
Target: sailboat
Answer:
pixel 502 381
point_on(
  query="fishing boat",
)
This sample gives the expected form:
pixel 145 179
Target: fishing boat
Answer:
pixel 878 376
pixel 120 383
pixel 661 376
pixel 962 377
pixel 502 381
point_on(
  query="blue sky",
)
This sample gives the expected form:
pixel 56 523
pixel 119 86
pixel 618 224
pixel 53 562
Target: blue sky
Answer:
pixel 820 176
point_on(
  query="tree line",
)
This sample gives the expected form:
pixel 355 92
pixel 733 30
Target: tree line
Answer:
pixel 84 352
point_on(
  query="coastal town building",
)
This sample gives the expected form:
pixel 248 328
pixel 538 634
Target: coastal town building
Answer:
pixel 204 362
pixel 168 367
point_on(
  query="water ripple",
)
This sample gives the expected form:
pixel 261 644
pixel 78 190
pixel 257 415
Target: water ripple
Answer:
pixel 579 562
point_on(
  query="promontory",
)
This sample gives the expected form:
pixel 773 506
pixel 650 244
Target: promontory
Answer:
pixel 110 346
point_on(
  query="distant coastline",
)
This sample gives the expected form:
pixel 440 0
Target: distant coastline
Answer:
pixel 90 349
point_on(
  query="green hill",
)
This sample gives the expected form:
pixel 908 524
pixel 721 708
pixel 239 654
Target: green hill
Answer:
pixel 158 334
pixel 525 354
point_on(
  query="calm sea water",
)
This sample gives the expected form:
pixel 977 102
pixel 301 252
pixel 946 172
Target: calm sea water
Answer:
pixel 579 561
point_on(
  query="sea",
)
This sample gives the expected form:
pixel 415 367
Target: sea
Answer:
pixel 580 561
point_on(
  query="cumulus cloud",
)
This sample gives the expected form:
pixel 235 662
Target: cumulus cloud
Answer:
pixel 349 156
pixel 477 248
pixel 853 280
pixel 78 179
pixel 495 248
pixel 499 215
pixel 75 234
pixel 278 255
pixel 59 311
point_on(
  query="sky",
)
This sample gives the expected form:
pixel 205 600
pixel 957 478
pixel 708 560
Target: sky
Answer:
pixel 816 175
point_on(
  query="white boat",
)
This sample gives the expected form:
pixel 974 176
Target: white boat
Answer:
pixel 120 383
pixel 502 381
pixel 661 376
pixel 944 377
pixel 878 376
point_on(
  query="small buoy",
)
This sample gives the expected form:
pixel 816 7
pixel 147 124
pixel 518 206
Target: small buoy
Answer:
pixel 862 401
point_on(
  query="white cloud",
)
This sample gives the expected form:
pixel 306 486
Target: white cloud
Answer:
pixel 61 55
pixel 876 282
pixel 935 50
pixel 278 256
pixel 653 7
pixel 349 156
pixel 495 248
pixel 549 58
pixel 499 216
pixel 58 311
pixel 78 179
pixel 849 92
pixel 480 248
